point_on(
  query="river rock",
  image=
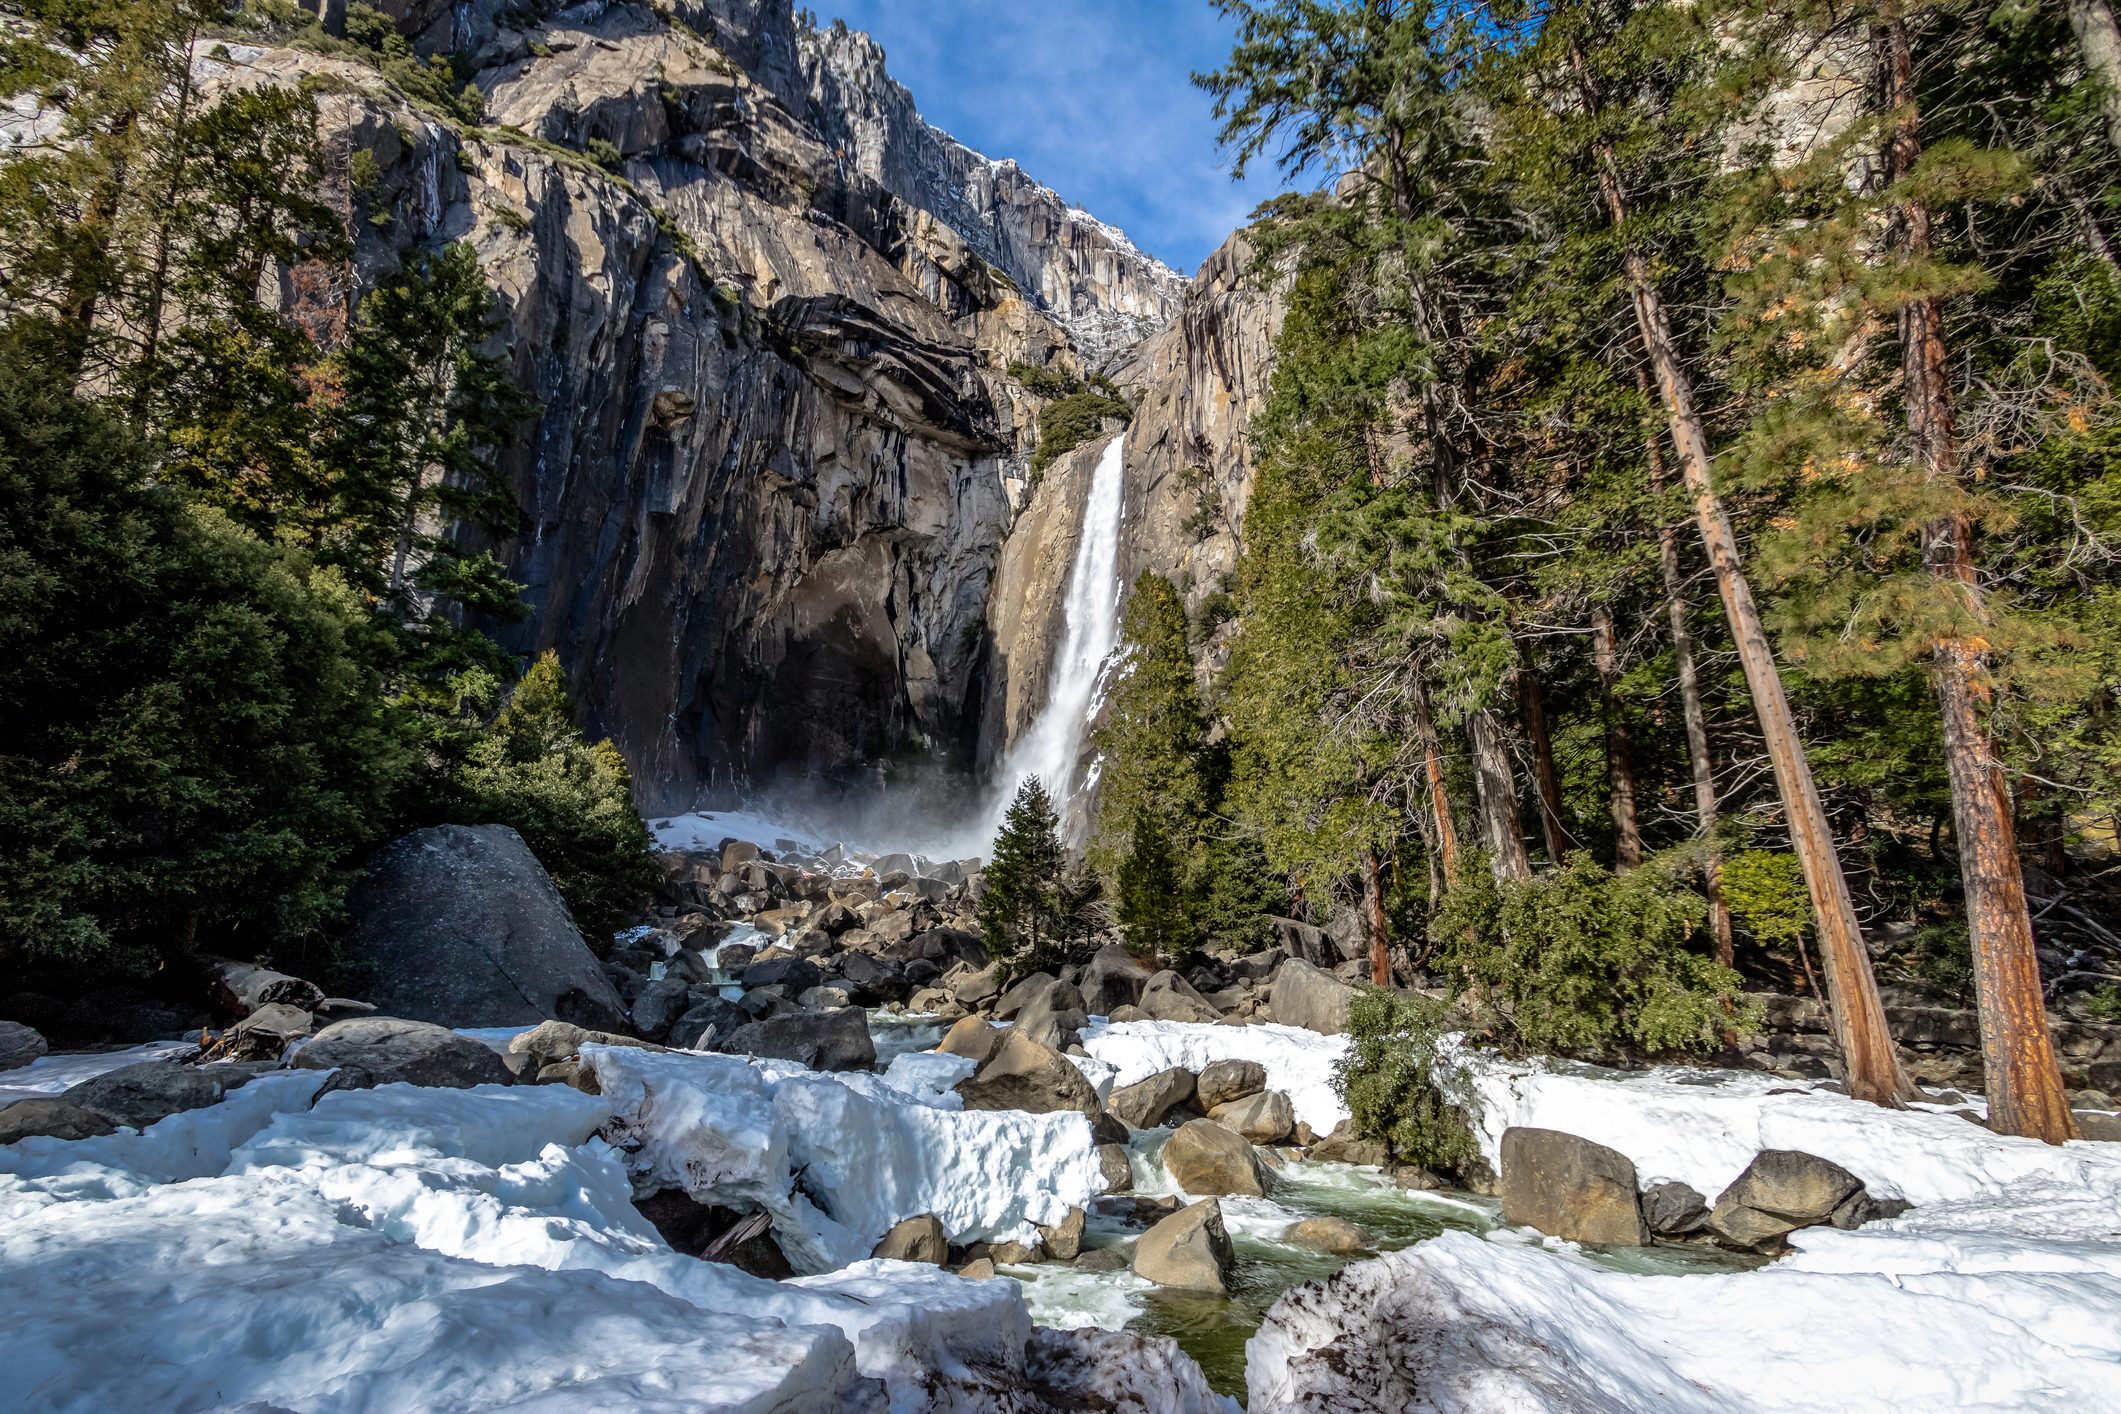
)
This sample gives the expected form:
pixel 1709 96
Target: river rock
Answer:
pixel 1568 1187
pixel 978 1269
pixel 822 1040
pixel 1780 1191
pixel 1170 997
pixel 1116 1166
pixel 1226 1080
pixel 19 1045
pixel 1052 1013
pixel 551 1042
pixel 464 927
pixel 793 975
pixel 1206 1158
pixel 972 985
pixel 972 1038
pixel 1265 1118
pixel 388 1049
pixel 138 1095
pixel 1673 1209
pixel 1345 1146
pixel 659 1006
pixel 1189 1250
pixel 1301 995
pixel 51 1118
pixel 917 1239
pixel 1335 1235
pixel 1023 1074
pixel 1146 1103
pixel 1113 977
pixel 1064 1240
pixel 1020 994
pixel 711 1018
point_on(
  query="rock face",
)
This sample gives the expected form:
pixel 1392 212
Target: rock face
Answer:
pixel 1190 1250
pixel 383 1050
pixel 1782 1190
pixel 463 927
pixel 1204 1157
pixel 1570 1188
pixel 1304 996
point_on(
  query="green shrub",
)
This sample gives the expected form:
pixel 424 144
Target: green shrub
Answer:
pixel 570 800
pixel 605 153
pixel 1395 1089
pixel 1043 382
pixel 1067 423
pixel 1764 889
pixel 1587 962
pixel 1942 954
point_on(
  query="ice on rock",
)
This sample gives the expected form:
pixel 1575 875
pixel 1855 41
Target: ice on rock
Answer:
pixel 1299 1063
pixel 734 1131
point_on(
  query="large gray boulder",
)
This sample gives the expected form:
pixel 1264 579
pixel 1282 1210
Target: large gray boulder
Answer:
pixel 19 1045
pixel 1304 996
pixel 1146 1103
pixel 1226 1080
pixel 139 1095
pixel 1206 1158
pixel 1112 978
pixel 1189 1250
pixel 1568 1187
pixel 1170 997
pixel 822 1040
pixel 50 1118
pixel 1024 1074
pixel 1782 1190
pixel 917 1239
pixel 385 1050
pixel 971 1038
pixel 463 927
pixel 1052 1012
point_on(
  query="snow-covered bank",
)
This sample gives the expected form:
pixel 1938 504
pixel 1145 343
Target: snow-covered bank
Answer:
pixel 1298 1063
pixel 2001 1290
pixel 402 1248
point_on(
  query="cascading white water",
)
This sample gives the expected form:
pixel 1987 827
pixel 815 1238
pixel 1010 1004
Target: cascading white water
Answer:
pixel 1051 748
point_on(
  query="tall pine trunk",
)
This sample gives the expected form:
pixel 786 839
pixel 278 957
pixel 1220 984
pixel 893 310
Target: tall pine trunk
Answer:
pixel 1373 912
pixel 2025 1094
pixel 1495 786
pixel 1699 763
pixel 1872 1071
pixel 2099 42
pixel 1532 703
pixel 1619 754
pixel 1439 794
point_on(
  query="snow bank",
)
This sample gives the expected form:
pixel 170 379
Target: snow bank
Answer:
pixel 2001 1290
pixel 1299 1063
pixel 1703 1127
pixel 869 1151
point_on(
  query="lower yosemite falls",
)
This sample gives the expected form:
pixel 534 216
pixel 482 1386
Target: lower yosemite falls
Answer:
pixel 670 742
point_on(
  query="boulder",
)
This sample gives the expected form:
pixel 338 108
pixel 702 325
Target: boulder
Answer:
pixel 1335 1235
pixel 1345 1146
pixel 139 1095
pixel 659 1006
pixel 918 1239
pixel 1064 1240
pixel 709 1019
pixel 1146 1103
pixel 822 1040
pixel 1782 1190
pixel 1568 1187
pixel 1301 995
pixel 552 1042
pixel 1127 1013
pixel 52 1119
pixel 1226 1080
pixel 265 1034
pixel 1013 1254
pixel 1204 1158
pixel 795 975
pixel 978 1269
pixel 1265 1118
pixel 1022 1074
pixel 1113 977
pixel 463 926
pixel 1020 993
pixel 1116 1166
pixel 390 1049
pixel 972 985
pixel 1053 1013
pixel 1170 997
pixel 1189 1250
pixel 1673 1210
pixel 971 1038
pixel 19 1045
pixel 825 999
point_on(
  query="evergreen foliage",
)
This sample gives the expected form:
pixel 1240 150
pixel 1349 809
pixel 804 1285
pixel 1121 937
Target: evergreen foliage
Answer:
pixel 1021 903
pixel 1398 1093
pixel 1152 903
pixel 1069 421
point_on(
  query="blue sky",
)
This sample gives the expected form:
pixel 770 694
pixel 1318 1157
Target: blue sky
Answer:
pixel 1092 97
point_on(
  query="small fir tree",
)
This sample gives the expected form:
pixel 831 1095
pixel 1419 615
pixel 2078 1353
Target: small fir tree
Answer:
pixel 1024 876
pixel 1152 906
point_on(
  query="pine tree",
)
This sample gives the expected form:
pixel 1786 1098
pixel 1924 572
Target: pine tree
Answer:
pixel 1153 739
pixel 1152 905
pixel 1021 892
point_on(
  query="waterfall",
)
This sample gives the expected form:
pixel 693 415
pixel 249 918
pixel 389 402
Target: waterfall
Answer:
pixel 1051 748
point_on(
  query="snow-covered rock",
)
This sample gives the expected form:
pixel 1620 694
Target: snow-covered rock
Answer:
pixel 1298 1063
